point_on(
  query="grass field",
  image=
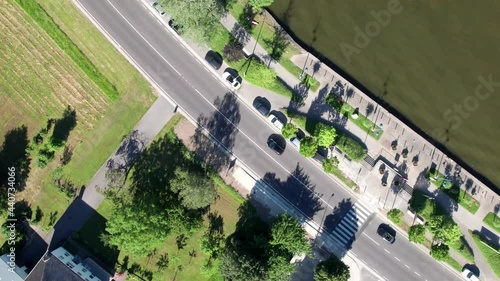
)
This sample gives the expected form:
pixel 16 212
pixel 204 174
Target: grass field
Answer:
pixel 226 206
pixel 39 80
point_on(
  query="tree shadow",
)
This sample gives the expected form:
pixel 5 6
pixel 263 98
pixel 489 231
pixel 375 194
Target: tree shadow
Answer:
pixel 277 44
pixel 244 19
pixel 298 190
pixel 14 154
pixel 63 126
pixel 215 223
pixel 288 12
pixel 240 34
pixel 66 155
pixel 221 127
pixel 369 109
pixel 300 92
pixel 332 220
pixel 319 106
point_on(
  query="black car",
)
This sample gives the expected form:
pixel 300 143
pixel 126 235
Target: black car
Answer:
pixel 384 232
pixel 214 59
pixel 261 107
pixel 276 143
pixel 174 26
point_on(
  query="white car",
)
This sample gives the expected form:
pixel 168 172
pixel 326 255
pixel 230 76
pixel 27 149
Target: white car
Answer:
pixel 275 121
pixel 231 80
pixel 296 142
pixel 469 275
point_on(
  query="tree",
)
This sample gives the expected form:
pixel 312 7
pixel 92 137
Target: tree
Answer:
pixel 289 131
pixel 280 269
pixel 239 265
pixel 195 190
pixel 416 233
pixel 287 234
pixel 202 19
pixel 308 146
pixel 259 4
pixel 440 251
pixel 450 232
pixel 331 269
pixel 330 164
pixel 233 51
pixel 326 134
pixel 395 215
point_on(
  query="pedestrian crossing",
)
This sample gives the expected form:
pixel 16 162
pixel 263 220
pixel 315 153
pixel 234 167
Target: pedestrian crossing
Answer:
pixel 351 223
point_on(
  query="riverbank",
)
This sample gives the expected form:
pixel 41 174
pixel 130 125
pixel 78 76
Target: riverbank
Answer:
pixel 405 68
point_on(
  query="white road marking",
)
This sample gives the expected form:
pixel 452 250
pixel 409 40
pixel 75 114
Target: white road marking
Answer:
pixel 144 38
pixel 385 278
pixel 416 273
pixel 371 239
pixel 407 266
pixel 387 251
pixel 397 259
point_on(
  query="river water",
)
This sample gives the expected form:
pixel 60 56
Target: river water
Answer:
pixel 435 61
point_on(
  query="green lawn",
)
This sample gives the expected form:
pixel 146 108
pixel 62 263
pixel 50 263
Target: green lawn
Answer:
pixel 493 221
pixel 453 263
pixel 462 249
pixel 362 121
pixel 455 192
pixel 491 254
pixel 192 266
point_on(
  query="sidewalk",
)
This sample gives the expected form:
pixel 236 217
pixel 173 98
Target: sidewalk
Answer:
pixel 394 131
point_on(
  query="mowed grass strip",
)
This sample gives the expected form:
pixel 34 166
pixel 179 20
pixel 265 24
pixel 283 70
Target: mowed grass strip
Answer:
pixel 38 14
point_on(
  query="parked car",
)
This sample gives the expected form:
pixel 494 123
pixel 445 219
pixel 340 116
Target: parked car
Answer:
pixel 275 121
pixel 469 275
pixel 383 231
pixel 177 28
pixel 261 107
pixel 158 8
pixel 214 59
pixel 231 80
pixel 276 143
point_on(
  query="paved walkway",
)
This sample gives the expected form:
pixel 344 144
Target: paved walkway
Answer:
pixel 394 132
pixel 90 198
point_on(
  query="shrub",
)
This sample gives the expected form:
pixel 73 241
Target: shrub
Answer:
pixel 330 164
pixel 440 252
pixel 351 147
pixel 308 146
pixel 334 101
pixel 416 233
pixel 233 51
pixel 395 215
pixel 289 131
pixel 44 156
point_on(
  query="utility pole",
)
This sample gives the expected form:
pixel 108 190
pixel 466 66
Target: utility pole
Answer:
pixel 255 46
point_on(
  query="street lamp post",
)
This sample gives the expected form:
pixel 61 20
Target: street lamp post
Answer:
pixel 255 46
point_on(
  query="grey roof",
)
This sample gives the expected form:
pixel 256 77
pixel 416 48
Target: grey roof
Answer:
pixel 56 270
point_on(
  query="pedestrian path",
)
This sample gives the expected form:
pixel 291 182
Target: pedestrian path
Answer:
pixel 351 223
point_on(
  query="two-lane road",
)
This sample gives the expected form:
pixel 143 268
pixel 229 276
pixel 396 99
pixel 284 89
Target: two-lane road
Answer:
pixel 187 80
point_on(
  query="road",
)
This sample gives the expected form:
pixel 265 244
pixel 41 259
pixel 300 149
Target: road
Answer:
pixel 188 81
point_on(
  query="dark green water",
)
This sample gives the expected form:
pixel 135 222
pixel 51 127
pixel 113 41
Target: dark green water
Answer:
pixel 434 57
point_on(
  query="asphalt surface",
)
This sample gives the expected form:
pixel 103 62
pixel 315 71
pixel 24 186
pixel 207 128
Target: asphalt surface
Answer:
pixel 187 80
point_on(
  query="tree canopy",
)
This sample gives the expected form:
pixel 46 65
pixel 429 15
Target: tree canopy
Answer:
pixel 308 146
pixel 200 21
pixel 259 4
pixel 326 134
pixel 416 233
pixel 440 252
pixel 351 147
pixel 289 235
pixel 289 131
pixel 331 269
pixel 195 190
